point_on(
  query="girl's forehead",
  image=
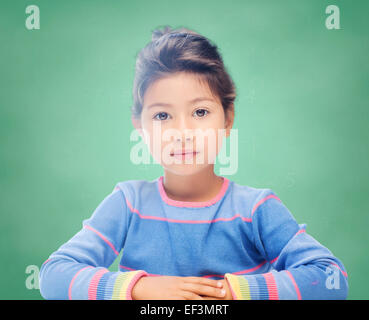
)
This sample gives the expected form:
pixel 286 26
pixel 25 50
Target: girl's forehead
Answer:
pixel 178 83
pixel 178 87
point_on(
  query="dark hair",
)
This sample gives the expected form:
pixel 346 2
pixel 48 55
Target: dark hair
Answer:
pixel 181 50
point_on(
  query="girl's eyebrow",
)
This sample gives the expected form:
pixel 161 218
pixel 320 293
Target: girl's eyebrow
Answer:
pixel 162 104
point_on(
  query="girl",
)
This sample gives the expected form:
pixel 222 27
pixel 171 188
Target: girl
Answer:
pixel 189 234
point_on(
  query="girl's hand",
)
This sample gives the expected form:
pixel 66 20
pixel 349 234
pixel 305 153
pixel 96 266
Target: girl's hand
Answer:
pixel 176 288
pixel 228 295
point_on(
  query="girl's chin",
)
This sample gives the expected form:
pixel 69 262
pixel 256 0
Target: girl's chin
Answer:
pixel 184 170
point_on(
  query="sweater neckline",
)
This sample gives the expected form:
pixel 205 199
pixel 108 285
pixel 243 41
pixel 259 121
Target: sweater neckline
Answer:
pixel 192 204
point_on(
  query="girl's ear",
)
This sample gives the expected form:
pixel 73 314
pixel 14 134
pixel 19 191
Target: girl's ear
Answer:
pixel 229 119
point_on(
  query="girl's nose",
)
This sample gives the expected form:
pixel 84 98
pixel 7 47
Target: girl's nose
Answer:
pixel 187 138
pixel 185 129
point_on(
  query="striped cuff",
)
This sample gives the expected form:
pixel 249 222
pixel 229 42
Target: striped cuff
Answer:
pixel 252 287
pixel 106 285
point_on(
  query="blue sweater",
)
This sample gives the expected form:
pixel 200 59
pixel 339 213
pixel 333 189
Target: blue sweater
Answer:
pixel 245 235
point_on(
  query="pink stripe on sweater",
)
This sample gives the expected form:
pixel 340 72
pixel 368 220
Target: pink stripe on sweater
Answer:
pixel 271 196
pixel 46 261
pixel 336 265
pixel 74 278
pixel 133 282
pixel 252 269
pixel 92 288
pixel 272 286
pixel 102 237
pixel 130 269
pixel 124 267
pixel 294 284
pixel 298 232
pixel 194 204
pixel 274 260
pixel 209 275
pixel 184 221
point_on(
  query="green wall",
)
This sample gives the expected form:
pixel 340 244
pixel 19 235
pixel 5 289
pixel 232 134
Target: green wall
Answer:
pixel 65 93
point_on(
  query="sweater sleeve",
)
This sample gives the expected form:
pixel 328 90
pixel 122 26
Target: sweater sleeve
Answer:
pixel 78 269
pixel 302 268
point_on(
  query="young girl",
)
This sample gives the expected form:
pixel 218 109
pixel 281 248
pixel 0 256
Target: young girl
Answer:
pixel 189 234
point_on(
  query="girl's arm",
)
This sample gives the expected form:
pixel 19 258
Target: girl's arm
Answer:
pixel 78 269
pixel 303 268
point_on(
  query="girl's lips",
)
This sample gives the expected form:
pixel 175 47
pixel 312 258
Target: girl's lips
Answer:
pixel 185 155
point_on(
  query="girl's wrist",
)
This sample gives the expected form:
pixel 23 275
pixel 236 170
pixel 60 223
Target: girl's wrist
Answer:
pixel 229 292
pixel 138 288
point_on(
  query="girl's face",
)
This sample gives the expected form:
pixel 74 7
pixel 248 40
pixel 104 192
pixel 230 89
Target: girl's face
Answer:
pixel 181 115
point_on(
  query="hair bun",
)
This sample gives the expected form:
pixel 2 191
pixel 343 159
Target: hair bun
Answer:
pixel 157 33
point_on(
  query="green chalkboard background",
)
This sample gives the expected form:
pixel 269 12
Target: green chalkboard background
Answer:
pixel 66 89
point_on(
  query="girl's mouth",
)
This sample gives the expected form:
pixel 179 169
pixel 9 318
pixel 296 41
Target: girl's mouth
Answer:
pixel 184 154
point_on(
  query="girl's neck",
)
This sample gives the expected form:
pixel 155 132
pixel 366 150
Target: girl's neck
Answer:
pixel 202 186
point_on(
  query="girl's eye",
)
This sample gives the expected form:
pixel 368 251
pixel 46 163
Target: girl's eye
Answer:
pixel 201 112
pixel 162 116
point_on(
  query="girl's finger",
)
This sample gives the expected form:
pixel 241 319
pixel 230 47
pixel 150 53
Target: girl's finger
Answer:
pixel 203 290
pixel 210 298
pixel 189 295
pixel 204 281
